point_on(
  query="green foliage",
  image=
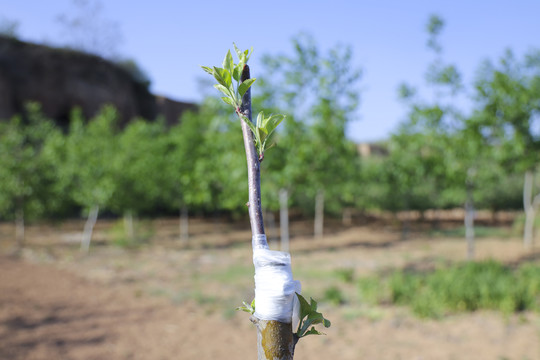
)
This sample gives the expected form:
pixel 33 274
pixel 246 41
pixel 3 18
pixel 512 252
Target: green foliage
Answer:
pixel 89 150
pixel 27 168
pixel 463 287
pixel 346 275
pixel 509 101
pixel 309 317
pixel 438 158
pixel 249 308
pixel 265 125
pixel 318 92
pixel 334 296
pixel 137 167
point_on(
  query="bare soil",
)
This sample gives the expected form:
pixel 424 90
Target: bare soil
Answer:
pixel 167 299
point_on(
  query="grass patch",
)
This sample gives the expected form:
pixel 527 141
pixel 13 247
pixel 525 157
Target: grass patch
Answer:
pixel 334 296
pixel 463 287
pixel 346 275
pixel 479 232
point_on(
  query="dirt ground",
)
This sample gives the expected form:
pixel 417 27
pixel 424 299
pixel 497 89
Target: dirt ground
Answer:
pixel 167 299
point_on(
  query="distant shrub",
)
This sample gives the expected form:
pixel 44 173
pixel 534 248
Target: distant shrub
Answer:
pixel 464 287
pixel 345 275
pixel 334 296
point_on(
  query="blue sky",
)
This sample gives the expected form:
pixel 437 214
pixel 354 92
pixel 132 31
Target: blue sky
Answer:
pixel 170 39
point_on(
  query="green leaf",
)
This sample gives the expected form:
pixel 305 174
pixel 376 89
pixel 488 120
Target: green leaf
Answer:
pixel 304 306
pixel 313 305
pixel 272 122
pixel 260 119
pixel 224 90
pixel 309 317
pixel 312 331
pixel 228 63
pixel 238 52
pixel 237 72
pixel 229 101
pixel 248 54
pixel 244 86
pixel 249 123
pixel 223 76
pixel 208 70
pixel 250 308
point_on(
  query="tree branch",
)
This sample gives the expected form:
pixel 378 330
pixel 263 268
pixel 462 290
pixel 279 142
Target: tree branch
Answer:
pixel 253 165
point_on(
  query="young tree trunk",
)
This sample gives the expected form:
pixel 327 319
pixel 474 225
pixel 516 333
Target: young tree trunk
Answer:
pixel 469 214
pixel 529 209
pixel 89 229
pixel 128 226
pixel 319 215
pixel 184 224
pixel 19 228
pixel 275 339
pixel 271 225
pixel 346 218
pixel 405 228
pixel 469 226
pixel 284 219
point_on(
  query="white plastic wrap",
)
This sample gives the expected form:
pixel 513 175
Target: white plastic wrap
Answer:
pixel 274 286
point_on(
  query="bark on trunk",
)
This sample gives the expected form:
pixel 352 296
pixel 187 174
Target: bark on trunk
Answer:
pixel 89 228
pixel 529 210
pixel 184 224
pixel 128 226
pixel 19 228
pixel 469 215
pixel 469 229
pixel 346 217
pixel 284 219
pixel 319 215
pixel 274 339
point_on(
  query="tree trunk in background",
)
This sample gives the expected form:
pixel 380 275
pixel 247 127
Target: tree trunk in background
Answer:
pixel 271 225
pixel 284 219
pixel 319 215
pixel 469 214
pixel 405 228
pixel 128 226
pixel 529 209
pixel 19 227
pixel 469 224
pixel 184 224
pixel 346 218
pixel 89 229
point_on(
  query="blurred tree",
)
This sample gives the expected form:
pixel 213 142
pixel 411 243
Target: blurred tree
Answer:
pixel 26 173
pixel 138 168
pixel 88 169
pixel 320 95
pixel 509 117
pixel 202 139
pixel 9 28
pixel 85 29
pixel 433 124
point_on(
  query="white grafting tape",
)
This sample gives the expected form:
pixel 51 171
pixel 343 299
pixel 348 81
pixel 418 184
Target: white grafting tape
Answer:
pixel 274 285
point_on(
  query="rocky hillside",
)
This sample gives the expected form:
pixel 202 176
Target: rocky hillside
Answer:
pixel 61 79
